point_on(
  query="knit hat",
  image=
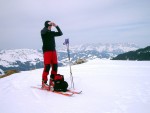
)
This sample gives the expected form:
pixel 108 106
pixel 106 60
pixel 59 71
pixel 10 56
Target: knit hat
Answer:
pixel 46 24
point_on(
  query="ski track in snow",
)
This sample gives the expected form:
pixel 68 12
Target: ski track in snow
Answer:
pixel 108 87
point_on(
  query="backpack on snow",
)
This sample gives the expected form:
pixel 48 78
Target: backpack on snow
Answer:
pixel 57 83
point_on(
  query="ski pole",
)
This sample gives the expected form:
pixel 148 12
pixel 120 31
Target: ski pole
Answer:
pixel 71 76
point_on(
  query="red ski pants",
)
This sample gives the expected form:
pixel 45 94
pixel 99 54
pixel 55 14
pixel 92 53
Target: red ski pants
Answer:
pixel 50 60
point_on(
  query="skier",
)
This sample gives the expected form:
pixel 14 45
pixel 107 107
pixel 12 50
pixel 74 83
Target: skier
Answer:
pixel 49 51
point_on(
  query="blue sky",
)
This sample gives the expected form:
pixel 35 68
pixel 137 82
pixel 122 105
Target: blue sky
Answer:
pixel 82 21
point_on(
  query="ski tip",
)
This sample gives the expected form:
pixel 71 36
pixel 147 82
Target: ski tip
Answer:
pixel 80 92
pixel 75 92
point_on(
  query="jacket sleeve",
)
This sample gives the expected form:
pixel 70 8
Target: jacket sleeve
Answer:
pixel 59 32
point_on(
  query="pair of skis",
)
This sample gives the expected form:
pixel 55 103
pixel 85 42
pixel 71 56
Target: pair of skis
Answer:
pixel 68 93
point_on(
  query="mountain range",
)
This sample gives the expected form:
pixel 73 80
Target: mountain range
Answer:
pixel 28 59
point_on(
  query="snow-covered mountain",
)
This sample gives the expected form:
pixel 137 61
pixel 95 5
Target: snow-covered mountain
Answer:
pixel 20 59
pixel 114 47
pixel 28 59
pixel 107 86
pixel 92 51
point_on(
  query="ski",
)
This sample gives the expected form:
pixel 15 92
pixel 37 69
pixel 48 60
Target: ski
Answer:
pixel 57 92
pixel 74 92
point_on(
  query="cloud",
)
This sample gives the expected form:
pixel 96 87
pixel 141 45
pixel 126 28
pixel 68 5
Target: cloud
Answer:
pixel 80 18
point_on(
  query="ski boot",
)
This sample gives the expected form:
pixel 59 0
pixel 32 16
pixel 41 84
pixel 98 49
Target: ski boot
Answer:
pixel 45 86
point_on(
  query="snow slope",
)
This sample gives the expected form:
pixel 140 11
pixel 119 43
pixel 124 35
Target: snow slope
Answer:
pixel 108 87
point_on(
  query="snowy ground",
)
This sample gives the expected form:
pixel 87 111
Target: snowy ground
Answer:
pixel 108 87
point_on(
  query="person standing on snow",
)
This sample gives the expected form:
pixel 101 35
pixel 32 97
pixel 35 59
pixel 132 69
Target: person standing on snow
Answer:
pixel 49 51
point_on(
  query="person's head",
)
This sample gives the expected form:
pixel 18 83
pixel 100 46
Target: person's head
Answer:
pixel 48 25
